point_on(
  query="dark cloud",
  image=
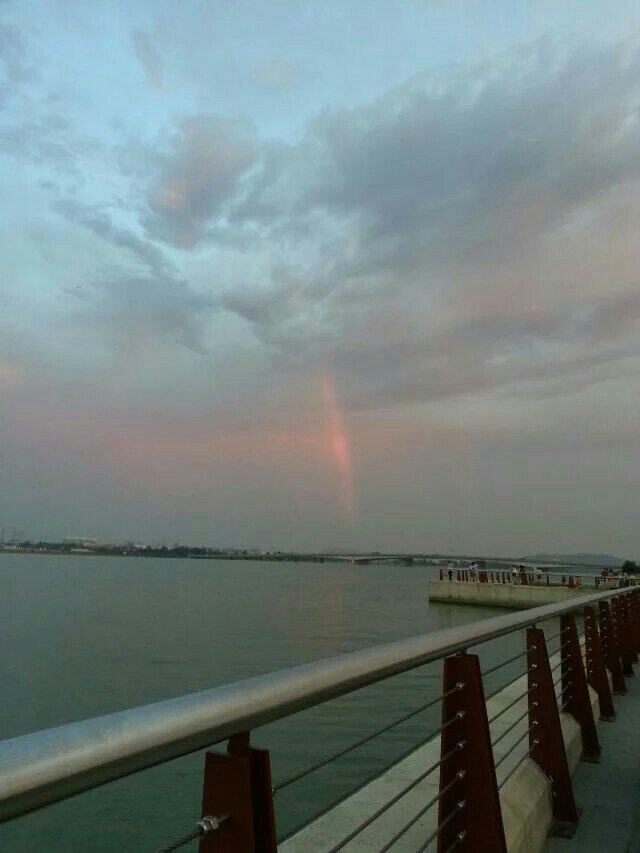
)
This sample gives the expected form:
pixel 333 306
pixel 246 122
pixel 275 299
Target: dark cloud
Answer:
pixel 15 68
pixel 138 312
pixel 446 192
pixel 136 307
pixel 99 222
pixel 417 247
pixel 148 58
pixel 197 179
pixel 48 141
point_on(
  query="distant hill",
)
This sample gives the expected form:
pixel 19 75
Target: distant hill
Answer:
pixel 583 559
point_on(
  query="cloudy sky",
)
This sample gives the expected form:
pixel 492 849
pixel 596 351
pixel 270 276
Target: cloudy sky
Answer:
pixel 291 274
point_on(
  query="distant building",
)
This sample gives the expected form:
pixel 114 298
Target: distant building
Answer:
pixel 81 542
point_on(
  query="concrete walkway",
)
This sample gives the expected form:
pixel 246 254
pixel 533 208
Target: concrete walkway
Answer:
pixel 609 793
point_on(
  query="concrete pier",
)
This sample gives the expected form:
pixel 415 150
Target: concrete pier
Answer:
pixel 516 596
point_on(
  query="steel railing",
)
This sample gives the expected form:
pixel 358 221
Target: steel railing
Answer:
pixel 45 767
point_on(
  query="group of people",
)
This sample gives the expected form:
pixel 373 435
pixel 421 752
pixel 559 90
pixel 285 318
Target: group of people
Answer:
pixel 519 573
pixel 474 571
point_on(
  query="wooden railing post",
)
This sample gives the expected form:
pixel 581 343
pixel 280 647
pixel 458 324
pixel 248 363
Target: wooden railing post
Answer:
pixel 610 649
pixel 469 805
pixel 621 629
pixel 238 785
pixel 575 690
pixel 546 742
pixel 596 669
pixel 634 601
pixel 631 617
pixel 625 629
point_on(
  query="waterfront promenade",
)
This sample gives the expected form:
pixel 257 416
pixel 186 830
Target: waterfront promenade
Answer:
pixel 492 771
pixel 524 794
pixel 609 792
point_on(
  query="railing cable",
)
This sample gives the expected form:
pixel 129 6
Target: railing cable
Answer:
pixel 459 775
pixel 513 746
pixel 459 806
pixel 341 799
pixel 324 761
pixel 560 662
pixel 205 826
pixel 504 663
pixel 511 727
pixel 511 704
pixel 515 767
pixel 403 792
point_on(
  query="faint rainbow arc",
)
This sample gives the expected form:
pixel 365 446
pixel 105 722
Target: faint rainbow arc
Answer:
pixel 339 445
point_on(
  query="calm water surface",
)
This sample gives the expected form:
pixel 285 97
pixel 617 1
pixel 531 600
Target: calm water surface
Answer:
pixel 82 636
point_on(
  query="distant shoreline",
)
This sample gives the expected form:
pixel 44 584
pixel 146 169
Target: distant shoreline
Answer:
pixel 433 560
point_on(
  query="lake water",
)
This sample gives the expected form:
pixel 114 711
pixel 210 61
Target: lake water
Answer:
pixel 82 636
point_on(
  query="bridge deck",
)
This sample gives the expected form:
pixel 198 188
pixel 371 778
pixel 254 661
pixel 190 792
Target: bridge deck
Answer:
pixel 609 792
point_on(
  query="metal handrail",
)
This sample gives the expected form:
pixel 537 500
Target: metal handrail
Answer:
pixel 47 766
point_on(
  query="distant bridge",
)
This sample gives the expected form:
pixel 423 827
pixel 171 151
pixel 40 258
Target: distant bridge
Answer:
pixel 366 559
pixel 408 559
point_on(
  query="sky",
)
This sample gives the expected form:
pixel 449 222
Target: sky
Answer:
pixel 291 275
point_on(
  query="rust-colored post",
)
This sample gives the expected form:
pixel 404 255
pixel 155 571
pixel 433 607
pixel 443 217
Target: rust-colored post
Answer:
pixel 634 602
pixel 610 649
pixel 469 806
pixel 596 669
pixel 238 784
pixel 575 690
pixel 457 574
pixel 619 618
pixel 626 610
pixel 546 743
